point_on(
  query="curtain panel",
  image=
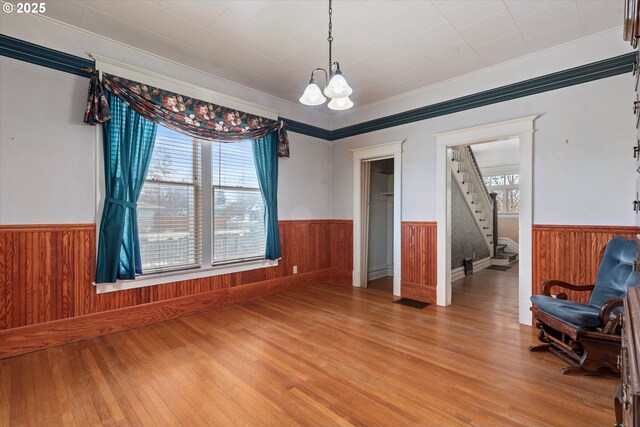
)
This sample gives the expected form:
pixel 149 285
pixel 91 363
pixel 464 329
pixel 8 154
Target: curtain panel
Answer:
pixel 265 156
pixel 98 110
pixel 187 115
pixel 128 144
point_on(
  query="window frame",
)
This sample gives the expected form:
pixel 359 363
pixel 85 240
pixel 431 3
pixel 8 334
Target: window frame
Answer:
pixel 505 189
pixel 196 184
pixel 212 228
pixel 206 268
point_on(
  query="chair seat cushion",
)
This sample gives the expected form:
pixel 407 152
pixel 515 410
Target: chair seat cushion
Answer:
pixel 578 315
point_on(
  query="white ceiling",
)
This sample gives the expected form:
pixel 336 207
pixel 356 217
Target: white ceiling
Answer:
pixel 497 154
pixel 385 48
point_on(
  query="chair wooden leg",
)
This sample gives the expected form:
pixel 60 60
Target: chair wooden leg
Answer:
pixel 571 370
pixel 601 356
pixel 539 347
pixel 617 404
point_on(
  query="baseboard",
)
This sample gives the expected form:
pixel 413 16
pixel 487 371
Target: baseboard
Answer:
pixel 419 292
pixel 482 264
pixel 30 338
pixel 512 246
pixel 458 273
pixel 377 272
pixel 341 277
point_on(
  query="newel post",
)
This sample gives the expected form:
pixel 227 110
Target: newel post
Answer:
pixel 495 223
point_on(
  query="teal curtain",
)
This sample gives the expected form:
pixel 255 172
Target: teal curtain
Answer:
pixel 128 145
pixel 265 156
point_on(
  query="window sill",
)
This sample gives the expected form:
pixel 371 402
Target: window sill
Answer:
pixel 177 276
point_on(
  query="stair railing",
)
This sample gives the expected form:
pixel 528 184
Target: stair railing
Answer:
pixel 472 177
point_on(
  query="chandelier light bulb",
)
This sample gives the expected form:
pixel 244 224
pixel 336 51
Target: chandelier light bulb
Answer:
pixel 343 103
pixel 312 95
pixel 338 87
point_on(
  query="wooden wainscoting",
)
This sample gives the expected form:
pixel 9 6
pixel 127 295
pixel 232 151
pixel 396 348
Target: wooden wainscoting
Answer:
pixel 46 291
pixel 341 252
pixel 571 253
pixel 419 260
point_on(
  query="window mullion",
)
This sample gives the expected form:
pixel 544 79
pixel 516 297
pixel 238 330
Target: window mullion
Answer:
pixel 207 204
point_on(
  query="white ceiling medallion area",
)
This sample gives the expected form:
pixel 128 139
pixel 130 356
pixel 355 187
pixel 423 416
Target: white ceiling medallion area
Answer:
pixel 392 46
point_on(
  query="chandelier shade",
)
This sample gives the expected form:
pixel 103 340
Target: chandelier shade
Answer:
pixel 336 87
pixel 312 95
pixel 343 103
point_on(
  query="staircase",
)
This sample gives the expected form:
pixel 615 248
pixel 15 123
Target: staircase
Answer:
pixel 502 256
pixel 467 174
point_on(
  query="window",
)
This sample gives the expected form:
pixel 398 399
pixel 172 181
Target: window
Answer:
pixel 238 210
pixel 172 205
pixel 169 206
pixel 508 192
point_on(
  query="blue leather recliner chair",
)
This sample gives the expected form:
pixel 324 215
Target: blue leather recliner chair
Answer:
pixel 587 336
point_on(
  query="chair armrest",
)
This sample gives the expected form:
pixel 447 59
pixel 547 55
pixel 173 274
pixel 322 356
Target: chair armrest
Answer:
pixel 610 325
pixel 608 307
pixel 546 288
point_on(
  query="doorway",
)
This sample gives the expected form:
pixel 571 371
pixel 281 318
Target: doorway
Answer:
pixel 362 160
pixel 485 206
pixel 380 225
pixel 522 129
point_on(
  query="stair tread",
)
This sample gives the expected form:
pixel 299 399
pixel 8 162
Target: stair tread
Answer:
pixel 505 255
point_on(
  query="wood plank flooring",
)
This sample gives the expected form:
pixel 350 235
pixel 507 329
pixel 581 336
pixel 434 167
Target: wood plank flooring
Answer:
pixel 323 355
pixel 384 283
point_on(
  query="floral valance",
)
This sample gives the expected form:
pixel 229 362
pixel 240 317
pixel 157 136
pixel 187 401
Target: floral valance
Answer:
pixel 181 113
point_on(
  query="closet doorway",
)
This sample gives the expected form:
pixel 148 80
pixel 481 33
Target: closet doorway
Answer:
pixel 379 227
pixel 363 158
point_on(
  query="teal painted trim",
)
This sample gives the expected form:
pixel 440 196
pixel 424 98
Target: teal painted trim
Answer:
pixel 305 129
pixel 35 54
pixel 573 76
pixel 39 55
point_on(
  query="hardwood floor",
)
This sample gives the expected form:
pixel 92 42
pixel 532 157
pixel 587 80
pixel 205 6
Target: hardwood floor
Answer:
pixel 323 355
pixel 384 283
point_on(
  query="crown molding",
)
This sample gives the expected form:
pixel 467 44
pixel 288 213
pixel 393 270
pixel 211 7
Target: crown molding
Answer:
pixel 39 55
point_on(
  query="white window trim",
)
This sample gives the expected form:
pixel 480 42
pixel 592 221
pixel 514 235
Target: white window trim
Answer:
pixel 177 276
pixel 206 269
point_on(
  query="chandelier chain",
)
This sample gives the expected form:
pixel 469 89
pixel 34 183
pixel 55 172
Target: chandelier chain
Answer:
pixel 330 38
pixel 335 86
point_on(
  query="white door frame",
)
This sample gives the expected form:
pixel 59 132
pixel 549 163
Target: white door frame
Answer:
pixel 367 154
pixel 523 129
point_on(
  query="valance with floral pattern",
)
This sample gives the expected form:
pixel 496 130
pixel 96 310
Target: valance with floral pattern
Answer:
pixel 183 114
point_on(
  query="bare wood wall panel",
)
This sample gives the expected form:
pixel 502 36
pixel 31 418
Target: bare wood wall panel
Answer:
pixel 46 272
pixel 571 253
pixel 40 267
pixel 419 260
pixel 341 252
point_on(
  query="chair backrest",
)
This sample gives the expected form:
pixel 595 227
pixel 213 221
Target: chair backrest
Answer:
pixel 616 274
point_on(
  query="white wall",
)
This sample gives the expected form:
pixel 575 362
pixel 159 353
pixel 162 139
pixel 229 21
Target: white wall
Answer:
pixel 588 180
pixel 48 155
pixel 53 34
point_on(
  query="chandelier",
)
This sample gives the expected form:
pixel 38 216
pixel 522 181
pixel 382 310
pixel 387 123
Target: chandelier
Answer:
pixel 336 86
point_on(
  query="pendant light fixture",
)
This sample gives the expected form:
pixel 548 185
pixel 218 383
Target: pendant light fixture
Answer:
pixel 336 86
